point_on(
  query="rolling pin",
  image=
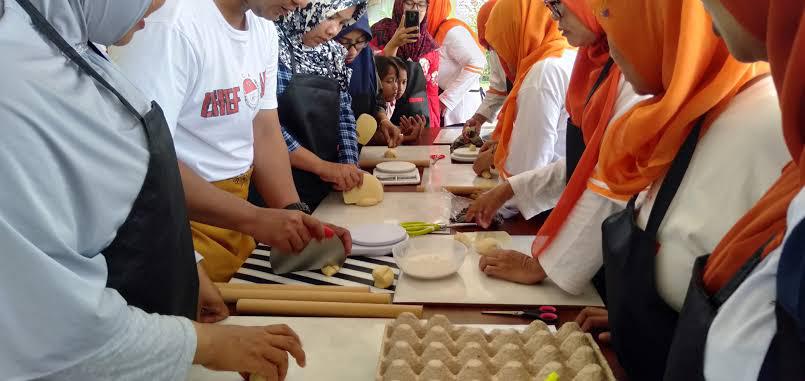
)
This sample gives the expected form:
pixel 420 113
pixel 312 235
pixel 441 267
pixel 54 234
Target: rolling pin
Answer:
pixel 231 295
pixel 289 287
pixel 323 309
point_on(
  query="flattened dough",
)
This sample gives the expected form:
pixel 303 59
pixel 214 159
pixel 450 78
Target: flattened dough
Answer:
pixel 383 276
pixel 487 246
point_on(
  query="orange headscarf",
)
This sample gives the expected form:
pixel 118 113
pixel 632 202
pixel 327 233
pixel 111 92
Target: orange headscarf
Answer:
pixel 483 17
pixel 439 21
pixel 781 24
pixel 677 56
pixel 593 118
pixel 522 33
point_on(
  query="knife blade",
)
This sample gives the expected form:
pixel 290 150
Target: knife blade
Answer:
pixel 317 254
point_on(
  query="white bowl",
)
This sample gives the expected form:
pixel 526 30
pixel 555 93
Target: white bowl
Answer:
pixel 429 257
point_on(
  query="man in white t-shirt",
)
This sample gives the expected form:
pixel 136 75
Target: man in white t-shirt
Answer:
pixel 212 66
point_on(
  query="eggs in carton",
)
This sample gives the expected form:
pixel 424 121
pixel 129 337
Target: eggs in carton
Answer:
pixel 435 349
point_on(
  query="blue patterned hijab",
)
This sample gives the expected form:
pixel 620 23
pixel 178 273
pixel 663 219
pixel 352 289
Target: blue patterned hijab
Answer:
pixel 326 59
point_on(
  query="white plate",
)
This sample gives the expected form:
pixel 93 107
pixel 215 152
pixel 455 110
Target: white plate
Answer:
pixel 374 235
pixel 463 159
pixel 464 151
pixel 395 167
pixel 429 257
pixel 377 251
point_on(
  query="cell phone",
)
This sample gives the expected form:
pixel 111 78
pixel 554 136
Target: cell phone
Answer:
pixel 411 19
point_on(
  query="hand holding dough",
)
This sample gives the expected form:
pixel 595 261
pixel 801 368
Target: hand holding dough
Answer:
pixel 384 276
pixel 330 270
pixel 390 153
pixel 487 246
pixel 368 194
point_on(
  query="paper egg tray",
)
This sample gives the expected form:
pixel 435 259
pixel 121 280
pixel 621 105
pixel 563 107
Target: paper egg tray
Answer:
pixel 435 349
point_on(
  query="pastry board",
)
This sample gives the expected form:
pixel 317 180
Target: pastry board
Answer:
pixel 449 135
pixel 356 271
pixel 335 348
pixel 419 155
pixel 456 178
pixel 395 208
pixel 471 286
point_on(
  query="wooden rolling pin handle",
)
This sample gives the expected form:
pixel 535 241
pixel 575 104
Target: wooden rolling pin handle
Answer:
pixel 324 309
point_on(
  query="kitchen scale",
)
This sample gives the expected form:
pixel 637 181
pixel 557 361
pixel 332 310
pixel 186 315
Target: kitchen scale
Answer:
pixel 397 173
pixel 464 155
pixel 374 240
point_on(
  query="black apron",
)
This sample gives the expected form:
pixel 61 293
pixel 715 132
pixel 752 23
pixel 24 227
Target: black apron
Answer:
pixel 150 262
pixel 414 100
pixel 642 324
pixel 785 357
pixel 309 109
pixel 574 138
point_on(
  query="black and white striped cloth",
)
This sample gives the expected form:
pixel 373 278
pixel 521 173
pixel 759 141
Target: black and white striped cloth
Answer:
pixel 357 271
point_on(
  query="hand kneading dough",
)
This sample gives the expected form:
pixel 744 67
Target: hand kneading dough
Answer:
pixel 487 246
pixel 486 174
pixel 390 153
pixel 463 238
pixel 384 276
pixel 330 270
pixel 368 194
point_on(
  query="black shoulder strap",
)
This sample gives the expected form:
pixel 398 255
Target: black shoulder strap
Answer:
pixel 47 30
pixel 674 178
pixel 601 77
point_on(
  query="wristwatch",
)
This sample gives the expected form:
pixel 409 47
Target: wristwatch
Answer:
pixel 300 206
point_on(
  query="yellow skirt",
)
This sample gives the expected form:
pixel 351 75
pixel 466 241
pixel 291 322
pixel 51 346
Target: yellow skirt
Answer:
pixel 224 251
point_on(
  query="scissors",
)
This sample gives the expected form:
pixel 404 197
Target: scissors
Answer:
pixel 436 158
pixel 545 313
pixel 421 228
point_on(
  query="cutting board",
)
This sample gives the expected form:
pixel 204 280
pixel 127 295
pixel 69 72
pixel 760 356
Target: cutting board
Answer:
pixel 419 155
pixel 396 207
pixel 456 178
pixel 449 135
pixel 471 286
pixel 336 349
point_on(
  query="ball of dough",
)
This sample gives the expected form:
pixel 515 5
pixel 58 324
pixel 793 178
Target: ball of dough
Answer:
pixel 463 238
pixel 384 276
pixel 486 174
pixel 473 148
pixel 368 201
pixel 330 270
pixel 390 153
pixel 487 246
pixel 370 193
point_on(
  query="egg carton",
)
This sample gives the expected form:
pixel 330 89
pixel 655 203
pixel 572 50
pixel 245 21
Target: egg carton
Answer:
pixel 435 349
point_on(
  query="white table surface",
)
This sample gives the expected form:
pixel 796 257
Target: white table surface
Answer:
pixel 335 348
pixel 396 207
pixel 471 286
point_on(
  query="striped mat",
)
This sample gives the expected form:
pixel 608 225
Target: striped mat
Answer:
pixel 357 271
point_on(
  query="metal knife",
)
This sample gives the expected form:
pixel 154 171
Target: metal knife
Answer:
pixel 317 254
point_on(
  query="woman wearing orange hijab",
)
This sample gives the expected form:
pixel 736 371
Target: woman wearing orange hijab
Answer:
pixel 597 93
pixel 761 325
pixel 461 63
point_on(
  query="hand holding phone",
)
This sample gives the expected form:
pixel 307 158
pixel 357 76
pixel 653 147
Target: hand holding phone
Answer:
pixel 405 34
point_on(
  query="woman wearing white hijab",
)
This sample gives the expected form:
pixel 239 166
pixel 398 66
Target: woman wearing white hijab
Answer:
pixel 98 279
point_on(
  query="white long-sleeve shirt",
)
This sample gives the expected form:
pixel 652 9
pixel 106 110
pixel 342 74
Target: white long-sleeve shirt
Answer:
pixel 538 190
pixel 735 162
pixel 538 136
pixel 461 63
pixel 498 90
